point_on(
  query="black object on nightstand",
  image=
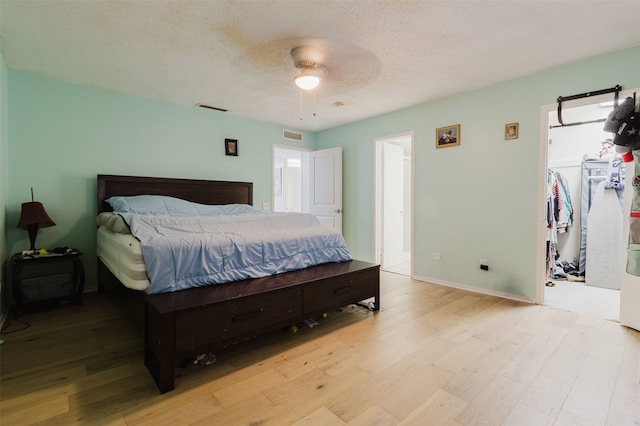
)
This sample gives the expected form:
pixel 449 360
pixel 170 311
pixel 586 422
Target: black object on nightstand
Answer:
pixel 47 279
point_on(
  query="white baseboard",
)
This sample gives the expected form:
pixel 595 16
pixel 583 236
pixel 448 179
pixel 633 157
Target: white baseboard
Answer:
pixel 473 289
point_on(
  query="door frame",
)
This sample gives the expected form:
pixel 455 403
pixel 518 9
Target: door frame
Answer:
pixel 542 181
pixel 377 193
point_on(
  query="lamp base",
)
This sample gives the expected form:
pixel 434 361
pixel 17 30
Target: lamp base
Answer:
pixel 33 233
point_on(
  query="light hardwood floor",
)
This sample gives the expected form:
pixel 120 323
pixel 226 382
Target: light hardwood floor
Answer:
pixel 431 356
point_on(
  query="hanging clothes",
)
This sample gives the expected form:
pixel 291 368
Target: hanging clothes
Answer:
pixel 624 123
pixel 560 208
pixel 565 211
pixel 559 215
pixel 633 244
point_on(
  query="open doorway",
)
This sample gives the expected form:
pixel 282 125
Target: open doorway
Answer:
pixel 393 203
pixel 306 181
pixel 585 220
pixel 287 179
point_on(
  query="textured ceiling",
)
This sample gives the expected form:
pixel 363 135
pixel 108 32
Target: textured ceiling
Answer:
pixel 380 55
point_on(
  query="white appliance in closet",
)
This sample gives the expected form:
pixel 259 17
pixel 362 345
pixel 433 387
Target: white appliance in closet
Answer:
pixel 601 227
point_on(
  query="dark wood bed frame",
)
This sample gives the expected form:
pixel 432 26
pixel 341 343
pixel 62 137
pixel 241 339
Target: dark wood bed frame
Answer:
pixel 187 323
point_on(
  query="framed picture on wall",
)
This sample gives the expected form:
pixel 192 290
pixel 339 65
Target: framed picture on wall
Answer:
pixel 231 147
pixel 448 136
pixel 510 131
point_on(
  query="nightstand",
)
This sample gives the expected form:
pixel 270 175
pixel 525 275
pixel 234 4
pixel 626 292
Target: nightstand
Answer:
pixel 48 279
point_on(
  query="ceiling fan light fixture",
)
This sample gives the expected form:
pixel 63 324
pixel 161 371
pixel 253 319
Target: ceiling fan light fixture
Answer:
pixel 308 71
pixel 307 79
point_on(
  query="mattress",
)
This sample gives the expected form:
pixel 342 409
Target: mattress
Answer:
pixel 182 252
pixel 122 255
pixel 180 244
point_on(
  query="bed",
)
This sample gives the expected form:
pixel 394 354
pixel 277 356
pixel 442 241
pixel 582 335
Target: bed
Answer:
pixel 183 324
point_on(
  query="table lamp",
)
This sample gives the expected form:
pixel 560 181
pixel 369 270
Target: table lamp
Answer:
pixel 32 217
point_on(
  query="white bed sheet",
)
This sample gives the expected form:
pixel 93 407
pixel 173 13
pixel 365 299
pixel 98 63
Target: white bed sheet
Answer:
pixel 122 254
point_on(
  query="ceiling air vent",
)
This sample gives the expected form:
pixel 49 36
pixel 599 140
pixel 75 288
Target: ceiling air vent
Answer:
pixel 212 107
pixel 292 136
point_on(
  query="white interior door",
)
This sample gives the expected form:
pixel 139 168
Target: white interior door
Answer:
pixel 325 186
pixel 629 284
pixel 393 204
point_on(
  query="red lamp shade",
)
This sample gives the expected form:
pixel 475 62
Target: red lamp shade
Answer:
pixel 32 217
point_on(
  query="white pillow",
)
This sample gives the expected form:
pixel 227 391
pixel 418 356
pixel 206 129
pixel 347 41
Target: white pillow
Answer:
pixel 171 206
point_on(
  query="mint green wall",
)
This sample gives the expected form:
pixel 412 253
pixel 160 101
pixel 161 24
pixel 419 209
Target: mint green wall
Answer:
pixel 476 200
pixel 4 178
pixel 480 199
pixel 62 134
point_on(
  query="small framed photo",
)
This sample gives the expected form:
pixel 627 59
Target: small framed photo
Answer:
pixel 510 131
pixel 448 136
pixel 231 147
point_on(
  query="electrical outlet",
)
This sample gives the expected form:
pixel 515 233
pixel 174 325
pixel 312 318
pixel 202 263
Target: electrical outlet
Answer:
pixel 484 264
pixel 436 255
pixel 484 261
pixel 265 205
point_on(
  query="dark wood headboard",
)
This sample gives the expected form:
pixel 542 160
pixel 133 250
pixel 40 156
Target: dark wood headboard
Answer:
pixel 198 191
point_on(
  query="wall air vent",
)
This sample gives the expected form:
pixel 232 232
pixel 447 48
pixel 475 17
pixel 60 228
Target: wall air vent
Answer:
pixel 212 107
pixel 292 136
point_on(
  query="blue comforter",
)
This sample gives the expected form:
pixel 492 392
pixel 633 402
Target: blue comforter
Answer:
pixel 181 252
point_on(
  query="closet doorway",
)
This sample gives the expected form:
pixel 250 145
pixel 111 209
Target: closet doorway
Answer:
pixel 585 224
pixel 393 203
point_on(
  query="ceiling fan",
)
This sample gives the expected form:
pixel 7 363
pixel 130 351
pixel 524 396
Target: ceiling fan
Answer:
pixel 308 62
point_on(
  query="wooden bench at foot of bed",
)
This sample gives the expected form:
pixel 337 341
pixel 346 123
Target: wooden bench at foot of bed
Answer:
pixel 188 323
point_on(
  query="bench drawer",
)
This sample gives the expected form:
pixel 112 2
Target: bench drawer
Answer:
pixel 205 326
pixel 326 295
pixel 251 315
pixel 221 324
